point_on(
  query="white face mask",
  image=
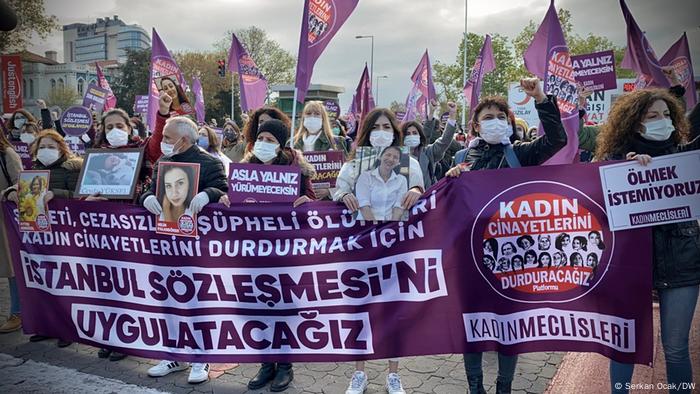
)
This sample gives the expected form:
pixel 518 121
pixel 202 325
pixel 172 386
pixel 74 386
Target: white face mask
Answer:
pixel 313 124
pixel 411 141
pixel 166 149
pixel 19 122
pixel 658 130
pixel 27 138
pixel 117 137
pixel 381 139
pixel 47 156
pixel 265 151
pixel 496 131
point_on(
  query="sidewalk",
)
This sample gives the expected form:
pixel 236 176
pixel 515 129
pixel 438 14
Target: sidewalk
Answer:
pixel 588 373
pixel 42 367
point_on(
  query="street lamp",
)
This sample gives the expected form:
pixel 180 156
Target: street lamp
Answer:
pixel 371 59
pixel 378 77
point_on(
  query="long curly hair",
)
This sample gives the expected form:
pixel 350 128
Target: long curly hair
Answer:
pixel 250 130
pixel 626 118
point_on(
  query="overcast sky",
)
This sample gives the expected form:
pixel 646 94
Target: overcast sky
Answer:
pixel 402 28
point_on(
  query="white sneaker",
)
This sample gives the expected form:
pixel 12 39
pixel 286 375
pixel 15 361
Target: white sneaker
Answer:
pixel 165 367
pixel 199 373
pixel 393 384
pixel 358 383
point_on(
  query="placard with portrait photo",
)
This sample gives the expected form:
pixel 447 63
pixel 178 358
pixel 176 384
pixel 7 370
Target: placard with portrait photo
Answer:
pixel 113 173
pixel 33 209
pixel 176 187
pixel 382 182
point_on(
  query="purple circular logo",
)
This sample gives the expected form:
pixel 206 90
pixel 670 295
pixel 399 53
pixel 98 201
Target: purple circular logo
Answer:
pixel 76 121
pixel 542 241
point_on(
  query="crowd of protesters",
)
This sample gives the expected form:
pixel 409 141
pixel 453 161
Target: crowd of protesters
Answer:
pixel 641 125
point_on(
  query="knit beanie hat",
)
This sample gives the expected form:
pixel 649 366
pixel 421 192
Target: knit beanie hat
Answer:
pixel 276 128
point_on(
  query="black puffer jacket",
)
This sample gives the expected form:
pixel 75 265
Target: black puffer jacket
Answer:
pixel 481 155
pixel 676 245
pixel 212 177
pixel 64 175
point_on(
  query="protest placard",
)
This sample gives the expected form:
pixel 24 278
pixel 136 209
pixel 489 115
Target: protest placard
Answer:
pixel 263 183
pixel 95 97
pixel 112 173
pixel 595 71
pixel 176 187
pixel 665 191
pixel 76 121
pixel 33 211
pixel 327 165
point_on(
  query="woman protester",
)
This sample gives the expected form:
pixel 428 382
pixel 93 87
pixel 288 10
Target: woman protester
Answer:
pixel 16 123
pixel 116 134
pixel 179 104
pixel 210 142
pixel 10 167
pixel 315 135
pixel 261 115
pixel 233 144
pixel 492 150
pixel 379 130
pixel 429 155
pixel 269 149
pixel 50 152
pixel 642 125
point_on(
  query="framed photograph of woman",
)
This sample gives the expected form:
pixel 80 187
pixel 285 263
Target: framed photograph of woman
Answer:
pixel 112 173
pixel 33 210
pixel 176 187
pixel 172 86
pixel 382 183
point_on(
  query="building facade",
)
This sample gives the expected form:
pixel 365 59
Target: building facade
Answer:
pixel 106 39
pixel 42 74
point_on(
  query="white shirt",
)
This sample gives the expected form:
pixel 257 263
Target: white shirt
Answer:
pixel 310 141
pixel 382 197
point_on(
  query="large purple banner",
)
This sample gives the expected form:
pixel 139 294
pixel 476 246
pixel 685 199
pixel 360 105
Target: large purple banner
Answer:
pixel 510 260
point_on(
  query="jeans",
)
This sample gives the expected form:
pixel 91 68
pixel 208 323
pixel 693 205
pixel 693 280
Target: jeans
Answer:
pixel 506 366
pixel 14 297
pixel 676 310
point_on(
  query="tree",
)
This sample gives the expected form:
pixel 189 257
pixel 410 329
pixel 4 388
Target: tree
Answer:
pixel 32 19
pixel 275 63
pixel 577 44
pixel 134 80
pixel 63 96
pixel 449 77
pixel 396 106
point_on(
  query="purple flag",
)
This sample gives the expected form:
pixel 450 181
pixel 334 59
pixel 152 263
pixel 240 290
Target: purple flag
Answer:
pixel 321 21
pixel 198 99
pixel 102 82
pixel 640 56
pixel 422 91
pixel 548 58
pixel 363 102
pixel 252 82
pixel 678 57
pixel 162 64
pixel 484 64
pixel 411 103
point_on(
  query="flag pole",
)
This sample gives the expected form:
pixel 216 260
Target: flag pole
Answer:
pixel 233 99
pixel 294 115
pixel 464 70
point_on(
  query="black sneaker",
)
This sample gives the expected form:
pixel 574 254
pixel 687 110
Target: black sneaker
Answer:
pixel 37 338
pixel 104 353
pixel 116 356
